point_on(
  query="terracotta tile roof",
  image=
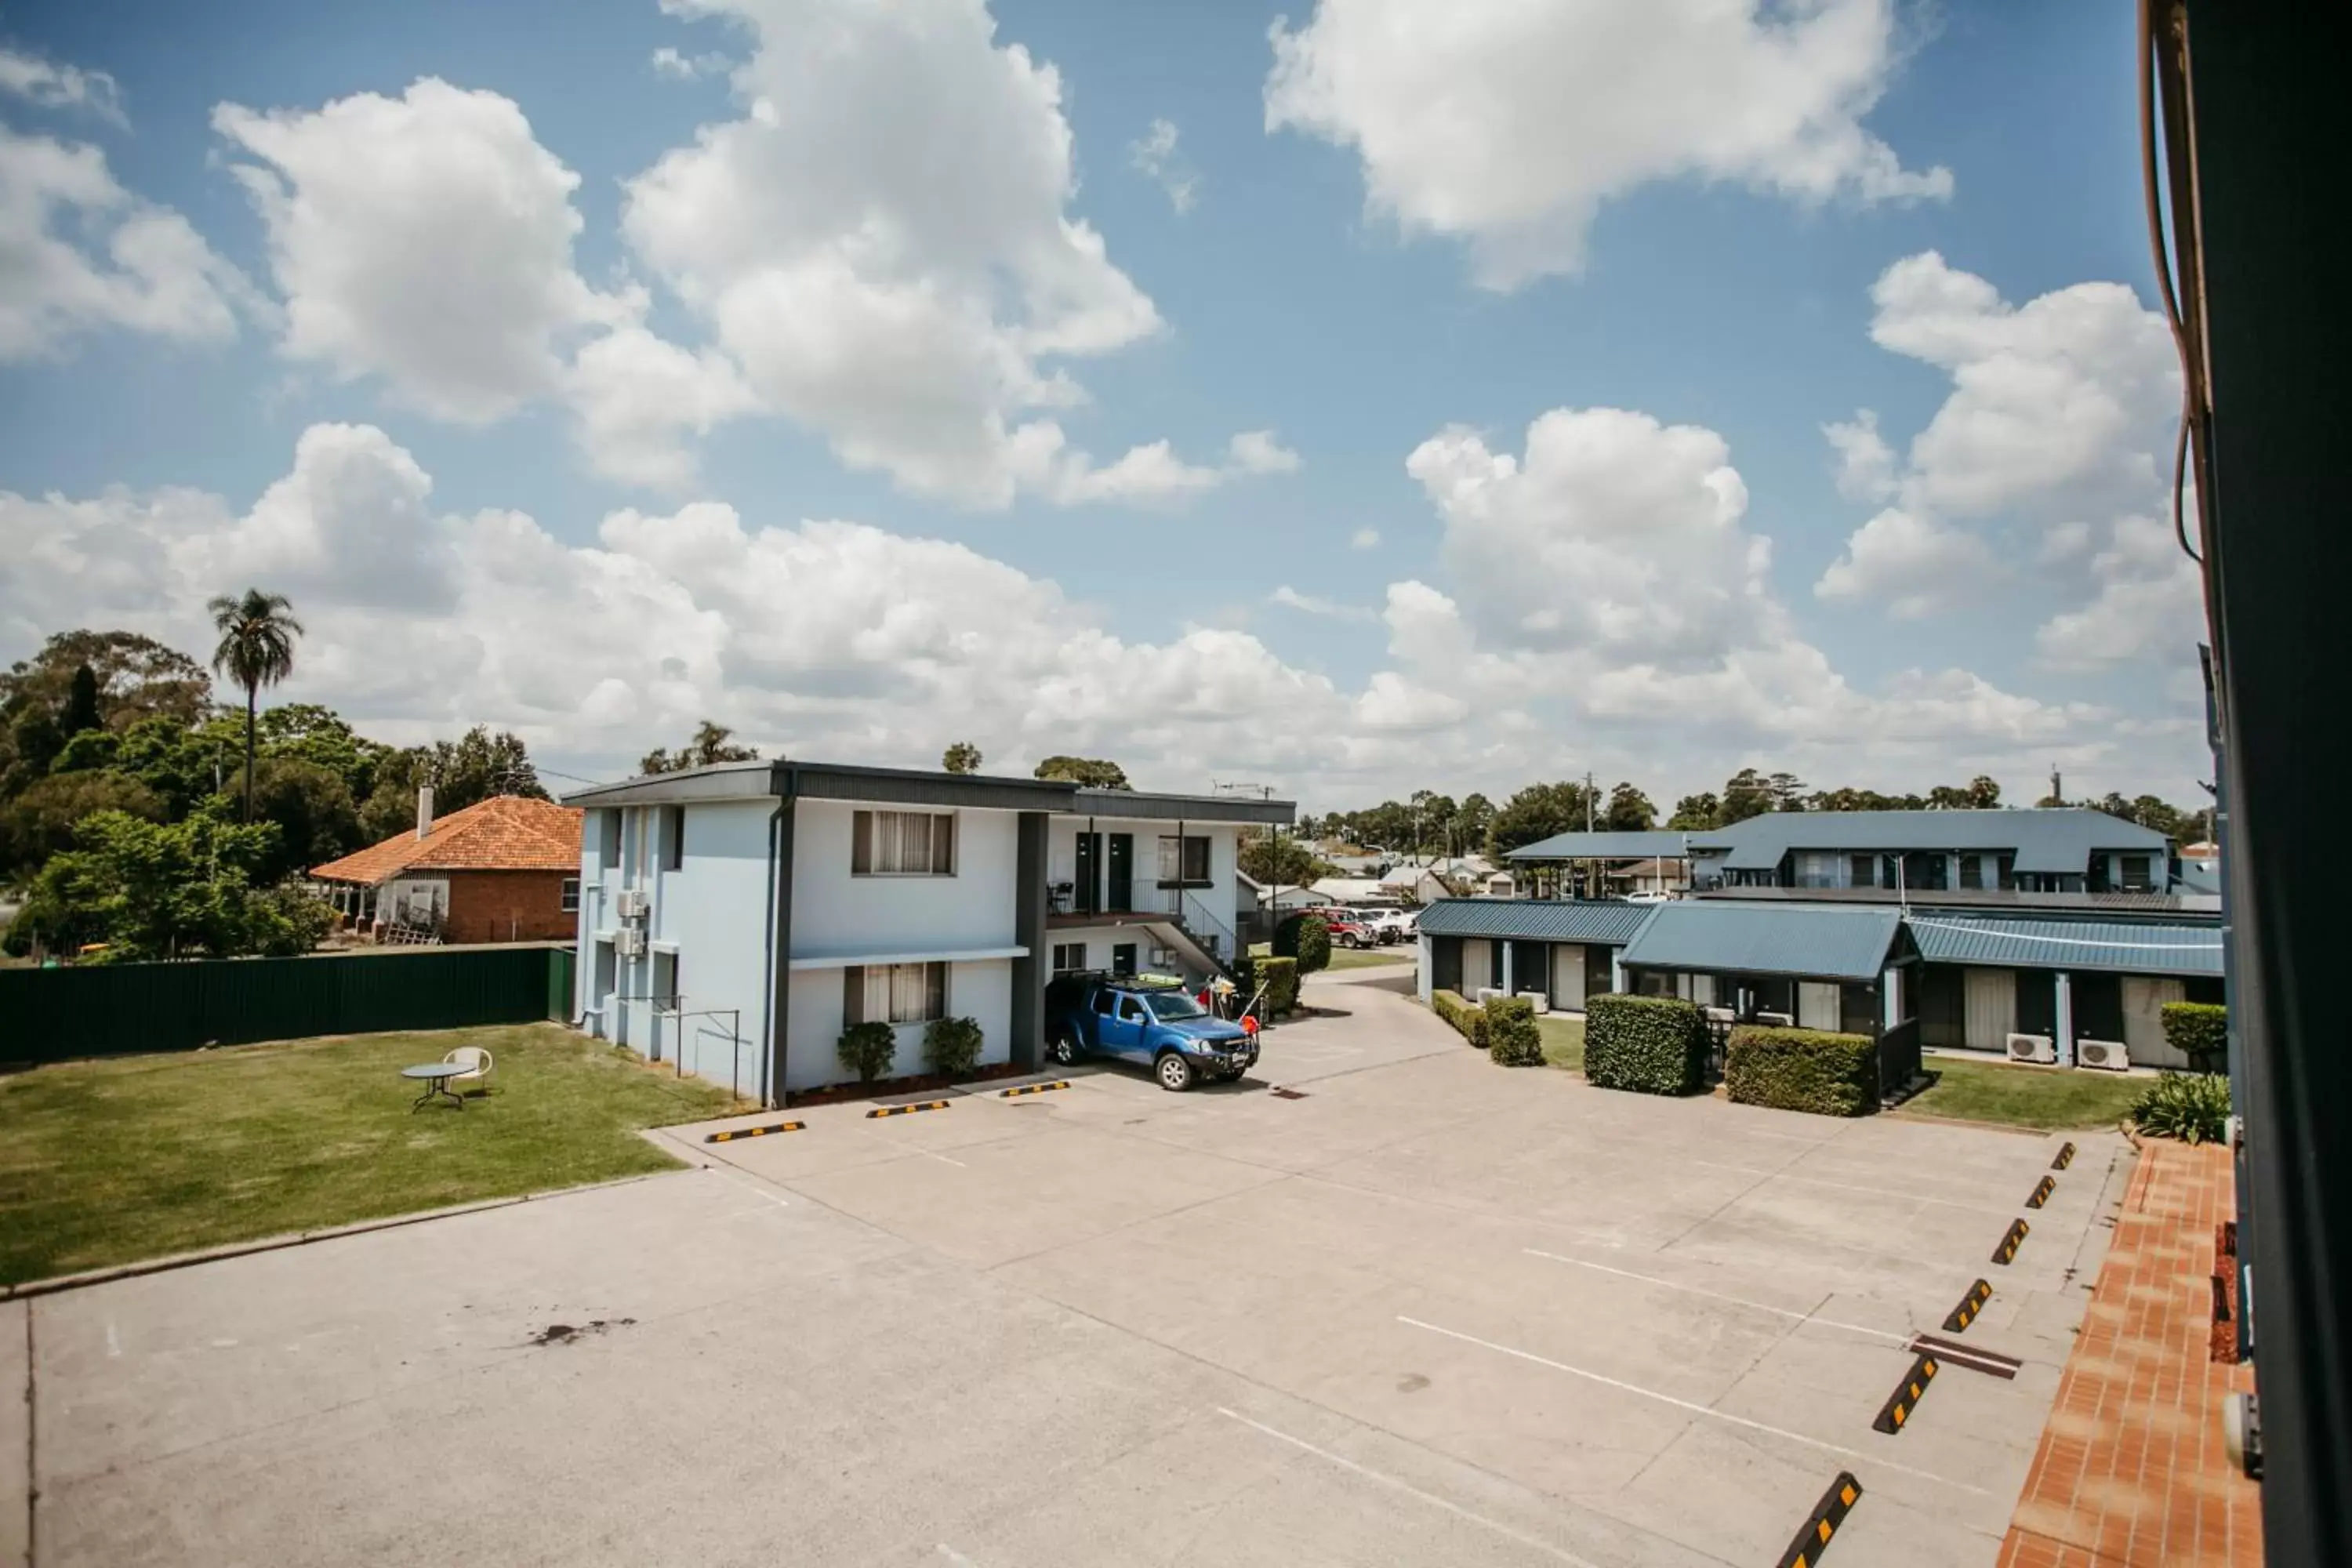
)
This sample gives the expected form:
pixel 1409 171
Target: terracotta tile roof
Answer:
pixel 504 832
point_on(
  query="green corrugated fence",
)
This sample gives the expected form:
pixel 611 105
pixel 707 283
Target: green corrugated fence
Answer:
pixel 58 1015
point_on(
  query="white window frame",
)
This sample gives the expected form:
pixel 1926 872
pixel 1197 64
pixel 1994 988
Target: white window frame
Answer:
pixel 1172 847
pixel 879 835
pixel 897 993
pixel 569 896
pixel 1069 957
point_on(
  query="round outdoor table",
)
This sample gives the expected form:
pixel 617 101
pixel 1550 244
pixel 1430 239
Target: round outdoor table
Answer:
pixel 436 1077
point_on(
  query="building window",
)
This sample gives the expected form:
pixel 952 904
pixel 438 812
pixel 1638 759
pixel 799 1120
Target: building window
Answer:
pixel 1971 871
pixel 608 840
pixel 2135 873
pixel 902 844
pixel 1183 861
pixel 1859 869
pixel 673 833
pixel 894 993
pixel 1069 957
pixel 571 895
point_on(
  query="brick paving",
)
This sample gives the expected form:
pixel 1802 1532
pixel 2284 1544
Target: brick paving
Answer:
pixel 2130 1470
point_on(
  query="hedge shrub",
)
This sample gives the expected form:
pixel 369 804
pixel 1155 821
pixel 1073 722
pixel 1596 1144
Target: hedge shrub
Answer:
pixel 1802 1070
pixel 951 1045
pixel 1468 1018
pixel 1512 1039
pixel 2200 1031
pixel 1651 1045
pixel 867 1049
pixel 1305 938
pixel 1280 978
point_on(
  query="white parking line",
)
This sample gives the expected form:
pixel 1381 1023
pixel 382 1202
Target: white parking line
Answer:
pixel 1345 1463
pixel 1706 1410
pixel 958 1558
pixel 1719 1296
pixel 776 1198
pixel 1852 1187
pixel 911 1149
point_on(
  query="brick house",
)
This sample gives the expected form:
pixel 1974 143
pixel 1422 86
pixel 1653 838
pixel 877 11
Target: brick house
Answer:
pixel 503 869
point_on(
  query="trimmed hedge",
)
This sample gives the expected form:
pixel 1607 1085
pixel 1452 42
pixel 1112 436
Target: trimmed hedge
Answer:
pixel 1306 938
pixel 1280 978
pixel 1650 1045
pixel 1467 1017
pixel 1802 1070
pixel 1512 1039
pixel 952 1046
pixel 2200 1031
pixel 867 1049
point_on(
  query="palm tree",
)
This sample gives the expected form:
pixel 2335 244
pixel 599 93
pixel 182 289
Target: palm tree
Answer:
pixel 256 649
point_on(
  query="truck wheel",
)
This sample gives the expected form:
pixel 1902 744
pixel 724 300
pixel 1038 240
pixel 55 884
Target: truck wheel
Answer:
pixel 1063 1048
pixel 1175 1072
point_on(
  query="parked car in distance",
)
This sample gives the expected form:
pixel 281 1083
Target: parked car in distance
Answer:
pixel 1155 1026
pixel 1346 926
pixel 1388 923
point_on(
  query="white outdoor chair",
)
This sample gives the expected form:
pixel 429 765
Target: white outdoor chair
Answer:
pixel 477 1063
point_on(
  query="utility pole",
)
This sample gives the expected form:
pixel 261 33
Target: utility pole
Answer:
pixel 1588 803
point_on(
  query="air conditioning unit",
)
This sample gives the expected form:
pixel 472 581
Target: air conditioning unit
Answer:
pixel 1542 1002
pixel 1488 993
pixel 629 942
pixel 2033 1048
pixel 2107 1054
pixel 631 904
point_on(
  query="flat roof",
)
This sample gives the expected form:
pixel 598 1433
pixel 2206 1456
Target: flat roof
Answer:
pixel 2045 840
pixel 922 787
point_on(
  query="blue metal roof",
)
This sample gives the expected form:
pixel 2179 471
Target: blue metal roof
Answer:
pixel 1536 920
pixel 2130 947
pixel 1822 941
pixel 1672 843
pixel 2056 840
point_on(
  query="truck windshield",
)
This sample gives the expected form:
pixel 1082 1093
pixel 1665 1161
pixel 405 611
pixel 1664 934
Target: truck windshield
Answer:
pixel 1169 1006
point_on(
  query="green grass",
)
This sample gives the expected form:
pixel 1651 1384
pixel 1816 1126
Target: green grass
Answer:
pixel 1367 957
pixel 2044 1099
pixel 1563 1040
pixel 110 1162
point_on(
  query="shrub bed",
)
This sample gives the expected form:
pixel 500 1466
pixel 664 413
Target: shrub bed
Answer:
pixel 1650 1045
pixel 1512 1039
pixel 1305 938
pixel 2192 1107
pixel 867 1049
pixel 952 1046
pixel 1280 978
pixel 1802 1070
pixel 1467 1017
pixel 2200 1031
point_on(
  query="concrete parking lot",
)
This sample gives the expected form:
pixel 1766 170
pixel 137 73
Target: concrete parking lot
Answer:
pixel 1418 1310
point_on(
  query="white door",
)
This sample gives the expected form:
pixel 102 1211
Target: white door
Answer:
pixel 1990 1003
pixel 1817 1004
pixel 1568 976
pixel 2144 1000
pixel 1477 965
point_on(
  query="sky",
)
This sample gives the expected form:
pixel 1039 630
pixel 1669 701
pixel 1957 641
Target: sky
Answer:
pixel 1372 395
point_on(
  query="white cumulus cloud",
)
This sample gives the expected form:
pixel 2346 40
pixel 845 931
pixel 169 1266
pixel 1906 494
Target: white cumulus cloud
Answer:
pixel 1155 156
pixel 1509 125
pixel 50 84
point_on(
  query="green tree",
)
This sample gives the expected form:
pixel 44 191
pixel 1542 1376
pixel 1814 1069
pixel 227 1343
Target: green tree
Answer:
pixel 138 678
pixel 713 743
pixel 1093 772
pixel 1628 811
pixel 1539 812
pixel 1745 795
pixel 313 812
pixel 307 733
pixel 1305 938
pixel 1473 819
pixel 81 703
pixel 962 757
pixel 1696 811
pixel 1277 861
pixel 256 649
pixel 157 891
pixel 464 772
pixel 42 818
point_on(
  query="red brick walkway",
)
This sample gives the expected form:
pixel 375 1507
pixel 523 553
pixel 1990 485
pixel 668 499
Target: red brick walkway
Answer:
pixel 2130 1470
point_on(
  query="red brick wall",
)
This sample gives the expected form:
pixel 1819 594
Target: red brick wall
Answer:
pixel 508 906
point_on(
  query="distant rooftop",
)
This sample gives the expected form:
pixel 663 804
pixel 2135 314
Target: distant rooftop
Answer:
pixel 2057 840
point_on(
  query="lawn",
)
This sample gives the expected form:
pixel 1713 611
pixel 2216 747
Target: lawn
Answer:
pixel 2046 1098
pixel 1563 1040
pixel 110 1161
pixel 1354 957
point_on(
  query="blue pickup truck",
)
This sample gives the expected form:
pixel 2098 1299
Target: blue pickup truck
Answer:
pixel 1158 1027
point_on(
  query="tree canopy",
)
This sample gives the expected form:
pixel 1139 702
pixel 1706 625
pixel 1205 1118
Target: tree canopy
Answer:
pixel 157 891
pixel 1094 772
pixel 713 743
pixel 962 757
